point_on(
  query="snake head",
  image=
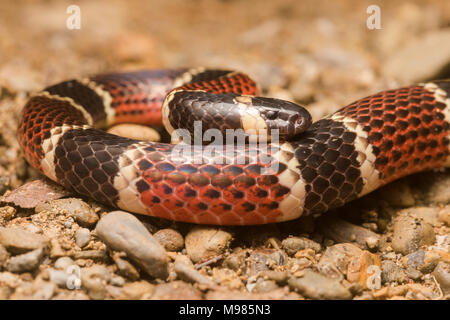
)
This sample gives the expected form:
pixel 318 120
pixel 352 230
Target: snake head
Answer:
pixel 289 119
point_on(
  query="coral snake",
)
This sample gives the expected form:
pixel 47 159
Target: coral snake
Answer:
pixel 310 169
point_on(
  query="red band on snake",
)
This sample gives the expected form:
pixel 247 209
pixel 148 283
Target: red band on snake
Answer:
pixel 344 156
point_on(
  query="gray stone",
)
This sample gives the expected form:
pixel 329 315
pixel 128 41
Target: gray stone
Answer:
pixel 413 273
pixel 82 237
pixel 59 277
pixel 294 244
pixel 424 261
pixel 68 224
pixel 26 262
pixel 392 273
pixel 17 240
pixel 122 231
pixel 316 286
pixel 442 275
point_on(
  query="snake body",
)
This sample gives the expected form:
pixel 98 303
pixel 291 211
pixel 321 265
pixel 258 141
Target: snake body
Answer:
pixel 344 156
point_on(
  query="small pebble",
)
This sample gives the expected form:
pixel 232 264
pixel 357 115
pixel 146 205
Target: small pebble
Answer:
pixel 442 276
pixel 265 286
pixel 68 224
pixel 390 256
pixel 170 239
pixel 424 261
pixel 117 281
pixel 316 286
pixel 413 274
pixel 25 262
pixel 82 237
pixel 94 280
pixel 235 260
pixel 63 263
pixel 392 273
pixel 7 212
pixel 59 277
pixel 294 244
pixel 18 240
pixel 203 243
pixel 9 279
pixel 265 259
pixel 410 233
pixel 335 260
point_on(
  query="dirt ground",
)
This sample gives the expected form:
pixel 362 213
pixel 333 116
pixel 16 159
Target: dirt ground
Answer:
pixel 392 244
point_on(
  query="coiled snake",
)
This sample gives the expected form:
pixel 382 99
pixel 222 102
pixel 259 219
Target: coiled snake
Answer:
pixel 346 155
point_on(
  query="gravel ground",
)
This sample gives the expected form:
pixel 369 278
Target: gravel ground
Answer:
pixel 392 244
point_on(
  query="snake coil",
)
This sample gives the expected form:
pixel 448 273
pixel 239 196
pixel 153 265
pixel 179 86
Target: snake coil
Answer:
pixel 346 155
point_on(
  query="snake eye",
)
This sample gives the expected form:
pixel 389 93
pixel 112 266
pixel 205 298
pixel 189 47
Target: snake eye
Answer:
pixel 271 115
